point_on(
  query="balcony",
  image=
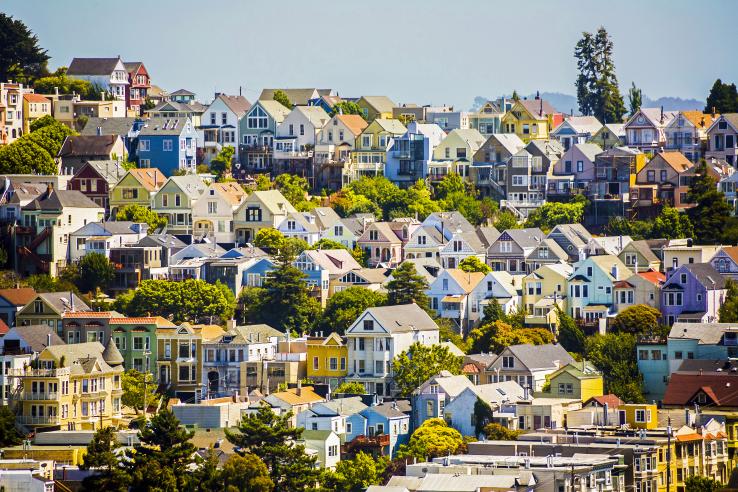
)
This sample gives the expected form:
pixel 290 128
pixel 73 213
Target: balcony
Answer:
pixel 380 440
pixel 39 373
pixel 30 396
pixel 293 154
pixel 48 420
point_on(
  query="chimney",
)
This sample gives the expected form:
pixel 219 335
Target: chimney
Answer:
pixel 540 111
pixel 240 90
pixel 71 300
pixel 662 114
pixel 48 340
pixel 56 91
pixel 230 324
pixel 298 392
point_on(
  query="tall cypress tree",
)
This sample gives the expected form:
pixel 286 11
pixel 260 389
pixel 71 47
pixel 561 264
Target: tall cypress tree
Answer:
pixel 711 213
pixel 585 84
pixel 407 286
pixel 103 461
pixel 635 99
pixel 597 85
pixel 723 98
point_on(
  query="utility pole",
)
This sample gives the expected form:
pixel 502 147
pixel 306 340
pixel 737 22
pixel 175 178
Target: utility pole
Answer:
pixel 668 456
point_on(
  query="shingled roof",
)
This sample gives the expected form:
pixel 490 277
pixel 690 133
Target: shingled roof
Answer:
pixel 88 145
pixel 92 66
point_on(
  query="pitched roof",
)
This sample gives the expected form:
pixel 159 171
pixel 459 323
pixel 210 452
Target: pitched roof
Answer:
pixel 731 251
pixel 18 297
pixel 707 275
pixel 537 107
pixel 182 92
pixel 643 248
pixel 612 401
pixel 704 333
pixel 37 336
pixel 314 114
pixel 111 354
pixel 590 150
pixel 326 217
pixel 298 97
pixel 353 122
pixel 510 141
pixel 275 109
pixel 466 280
pixel 617 129
pixel 191 184
pixel 58 200
pixel 340 406
pixel 92 66
pixel 132 67
pixel 402 318
pixel 470 136
pixel 274 201
pixel 150 178
pixel 106 228
pixel 676 160
pixel 582 124
pixel 238 104
pixel 162 125
pixel 59 301
pixel 541 356
pixel 700 119
pixel 110 170
pixel 335 261
pixel 450 384
pixel 258 332
pixel 291 397
pixel 391 125
pixel 683 387
pixel 654 115
pixel 388 410
pixel 499 392
pixel 108 126
pixel 231 191
pixel 36 98
pixel 656 278
pixel 382 104
pixel 87 145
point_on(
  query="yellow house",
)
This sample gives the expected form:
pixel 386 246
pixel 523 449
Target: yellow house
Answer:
pixel 372 142
pixel 531 119
pixel 638 415
pixel 72 387
pixel 577 380
pixel 136 187
pixel 455 153
pixel 35 106
pixel 373 107
pixel 543 290
pixel 327 359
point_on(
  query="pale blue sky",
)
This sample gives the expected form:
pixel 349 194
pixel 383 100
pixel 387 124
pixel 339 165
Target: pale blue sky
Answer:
pixel 424 51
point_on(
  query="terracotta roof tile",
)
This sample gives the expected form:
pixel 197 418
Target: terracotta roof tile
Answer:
pixel 35 98
pixel 731 251
pixel 676 160
pixel 150 178
pixel 611 400
pixel 656 278
pixel 3 327
pixel 700 119
pixel 354 122
pixel 18 297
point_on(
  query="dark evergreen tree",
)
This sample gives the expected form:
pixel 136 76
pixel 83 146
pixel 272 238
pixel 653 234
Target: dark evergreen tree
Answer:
pixel 101 458
pixel 597 85
pixel 711 213
pixel 407 286
pixel 723 98
pixel 635 99
pixel 21 58
pixel 9 435
pixel 571 336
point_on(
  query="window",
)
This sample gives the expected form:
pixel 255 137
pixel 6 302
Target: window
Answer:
pixel 144 145
pixel 368 325
pixel 505 246
pixel 130 193
pixel 508 362
pixel 316 363
pixel 580 166
pixel 167 145
pixel 212 207
pixel 333 364
pixel 177 200
pixel 138 343
pixel 333 450
pixel 302 129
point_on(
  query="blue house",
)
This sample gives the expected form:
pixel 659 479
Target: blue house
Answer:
pixel 431 398
pixel 342 416
pixel 388 423
pixel 255 274
pixel 409 155
pixel 169 144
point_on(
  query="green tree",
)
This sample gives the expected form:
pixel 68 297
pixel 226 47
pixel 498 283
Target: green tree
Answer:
pixel 249 303
pixel 492 312
pixel 273 438
pixel 474 264
pixel 597 85
pixel 451 183
pixel 515 97
pixel 269 239
pixel 345 202
pixel 614 354
pixel 420 362
pixel 551 214
pixel 723 98
pixel 9 435
pixel 21 58
pixel 728 312
pixel 295 190
pixel 635 99
pixel 103 460
pixel 263 182
pixel 498 432
pixel 66 85
pixel 221 163
pixel 407 286
pixel 640 319
pixel 344 307
pixel 43 122
pixel 138 213
pixel 246 473
pixel 571 335
pixel 346 107
pixel 281 97
pixel 506 220
pixel 711 213
pixel 699 483
pixel 357 474
pixel 350 388
pixel 162 459
pixel 495 336
pixel 95 272
pixel 468 204
pixel 46 283
pixel 25 156
pixel 135 384
pixel 432 439
pixel 671 224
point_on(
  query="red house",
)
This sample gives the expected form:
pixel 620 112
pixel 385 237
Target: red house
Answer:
pixel 95 179
pixel 138 86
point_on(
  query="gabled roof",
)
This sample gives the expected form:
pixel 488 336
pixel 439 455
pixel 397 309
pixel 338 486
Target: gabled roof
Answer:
pixel 402 318
pixel 643 249
pixel 291 397
pixel 132 67
pixel 35 98
pixel 230 191
pixel 372 275
pixel 546 356
pixel 510 141
pixel 700 119
pixel 470 136
pixel 162 125
pixel 590 150
pixel 274 201
pixel 353 122
pixel 300 218
pixel 537 107
pixel 391 125
pixel 576 234
pixel 654 116
pixel 387 410
pixel 275 109
pixel 451 385
pixel 525 238
pixel 335 261
pixel 18 297
pixel 467 281
pixel 106 228
pixel 238 104
pixel 88 145
pixel 707 275
pixel 182 92
pixel 60 301
pixel 92 66
pixel 617 129
pixel 314 114
pixel 496 393
pixel 581 124
pixel 110 170
pixel 37 336
pixel 656 278
pixel 487 235
pixel 381 104
pixel 612 401
pixel 731 251
pixel 340 406
pixel 298 97
pixel 191 184
pixel 326 217
pixel 58 200
pixel 450 222
pixel 684 387
pixel 704 333
pixel 579 370
pixel 150 178
pixel 676 160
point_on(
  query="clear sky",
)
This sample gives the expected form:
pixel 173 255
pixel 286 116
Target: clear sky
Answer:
pixel 422 51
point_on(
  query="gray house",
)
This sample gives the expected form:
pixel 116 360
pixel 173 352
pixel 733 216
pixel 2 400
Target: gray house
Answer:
pixel 509 252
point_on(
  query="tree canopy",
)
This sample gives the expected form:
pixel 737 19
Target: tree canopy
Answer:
pixel 432 439
pixel 221 163
pixel 350 388
pixel 723 98
pixel 418 363
pixel 141 214
pixel 597 85
pixel 551 214
pixel 711 214
pixel 669 224
pixel 728 312
pixel 498 432
pixel 135 384
pixel 356 474
pixel 635 99
pixel 506 220
pixel 474 264
pixel 344 307
pixel 407 286
pixel 9 435
pixel 639 319
pixel 571 335
pixel 614 354
pixel 495 336
pixel 346 107
pixel 102 458
pixel 35 152
pixel 95 272
pixel 281 97
pixel 21 57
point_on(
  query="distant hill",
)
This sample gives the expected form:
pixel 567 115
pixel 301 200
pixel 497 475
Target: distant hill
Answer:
pixel 673 103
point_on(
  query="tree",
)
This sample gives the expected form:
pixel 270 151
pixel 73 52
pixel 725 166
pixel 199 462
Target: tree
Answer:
pixel 189 300
pixel 9 435
pixel 711 213
pixel 24 156
pixel 350 388
pixel 246 473
pixel 135 384
pixel 474 264
pixel 43 122
pixel 597 85
pixel 551 214
pixel 269 239
pixel 263 182
pixel 295 190
pixel 357 474
pixel 571 335
pixel 21 58
pixel 723 98
pixel 515 97
pixel 103 460
pixel 221 163
pixel 498 432
pixel 273 438
pixel 640 319
pixel 614 354
pixel 671 224
pixel 506 220
pixel 95 272
pixel 420 362
pixel 66 85
pixel 407 286
pixel 432 439
pixel 46 283
pixel 728 312
pixel 699 483
pixel 451 183
pixel 162 458
pixel 495 336
pixel 138 213
pixel 344 307
pixel 345 202
pixel 635 99
pixel 281 97
pixel 493 312
pixel 346 107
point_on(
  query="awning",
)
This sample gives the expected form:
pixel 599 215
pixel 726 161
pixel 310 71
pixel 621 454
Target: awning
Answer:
pixel 545 302
pixel 452 299
pixel 595 308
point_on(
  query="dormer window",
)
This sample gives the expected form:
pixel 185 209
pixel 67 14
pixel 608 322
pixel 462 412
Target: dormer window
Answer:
pixel 368 325
pixel 373 235
pixel 683 278
pixel 508 362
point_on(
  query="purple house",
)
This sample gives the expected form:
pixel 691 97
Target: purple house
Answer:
pixel 693 293
pixel 575 169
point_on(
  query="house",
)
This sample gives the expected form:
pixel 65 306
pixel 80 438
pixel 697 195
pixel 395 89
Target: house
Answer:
pixel 448 119
pixel 678 253
pixel 256 133
pixel 298 97
pixel 460 246
pixel 378 335
pixel 526 175
pixel 229 268
pixel 573 238
pixel 134 264
pixel 645 130
pixel 324 266
pixel 12 301
pixel 574 171
pixel 544 413
pixel 375 107
pixel 434 394
pixel 610 188
pixel 300 225
pixel 692 293
pixel 488 119
pixel 489 168
pixel 167 244
pixel 136 187
pixel 502 399
pixel 101 237
pixel 220 123
pixel 609 136
pixel 35 106
pixel 528 365
pixel 370 152
pixel 387 426
pixel 367 278
pixel 687 133
pixel 638 257
pixel 382 244
pixel 548 252
pixel 212 213
pixel 531 119
pixel 455 153
pixel 576 130
pixel 168 144
pixel 544 289
pixel 96 179
pixel 48 308
pixel 334 144
pixel 591 287
pixel 48 221
pixel 647 287
pixel 78 149
pixel 178 111
pixel 135 339
pixel 295 400
pixel 109 74
pixel 344 231
pixel 722 139
pixel 725 262
pixel 66 390
pixel 296 138
pixel 510 250
pixel 259 210
pixel 325 444
pixel 327 359
pixel 341 415
pixel 665 181
pixel 139 83
pixel 577 380
pixel 175 201
pixel 327 102
pixel 408 158
pixel 11 112
pixel 425 242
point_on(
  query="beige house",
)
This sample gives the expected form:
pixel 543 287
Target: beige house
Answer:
pixel 544 413
pixel 260 210
pixel 212 214
pixel 35 106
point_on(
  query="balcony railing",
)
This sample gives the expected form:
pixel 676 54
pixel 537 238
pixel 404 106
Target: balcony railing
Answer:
pixel 39 396
pixel 293 154
pixel 48 420
pixel 39 373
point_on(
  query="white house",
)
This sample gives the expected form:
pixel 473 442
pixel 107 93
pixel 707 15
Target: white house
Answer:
pixel 212 213
pixel 100 237
pixel 297 134
pixel 300 225
pixel 325 444
pixel 219 124
pixel 528 365
pixel 109 74
pixel 501 397
pixel 378 335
